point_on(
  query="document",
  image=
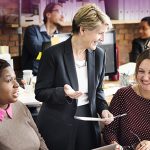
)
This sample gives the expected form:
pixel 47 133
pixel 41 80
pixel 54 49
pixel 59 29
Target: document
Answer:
pixel 89 118
pixel 98 119
pixel 107 147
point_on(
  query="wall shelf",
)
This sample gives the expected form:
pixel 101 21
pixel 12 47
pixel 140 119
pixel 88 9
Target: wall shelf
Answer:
pixel 125 21
pixel 115 22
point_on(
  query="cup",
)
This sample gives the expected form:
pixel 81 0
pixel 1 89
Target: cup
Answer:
pixel 27 76
pixel 29 88
pixel 124 80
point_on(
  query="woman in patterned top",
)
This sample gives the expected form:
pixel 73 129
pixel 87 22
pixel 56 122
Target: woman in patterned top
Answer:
pixel 132 131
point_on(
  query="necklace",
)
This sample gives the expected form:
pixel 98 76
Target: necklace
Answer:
pixel 80 64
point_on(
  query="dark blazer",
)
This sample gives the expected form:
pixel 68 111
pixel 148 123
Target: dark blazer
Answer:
pixel 138 46
pixel 57 68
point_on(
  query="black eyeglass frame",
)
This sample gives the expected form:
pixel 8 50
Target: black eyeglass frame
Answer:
pixel 132 146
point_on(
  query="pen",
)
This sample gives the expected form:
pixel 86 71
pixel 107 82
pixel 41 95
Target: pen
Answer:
pixel 121 115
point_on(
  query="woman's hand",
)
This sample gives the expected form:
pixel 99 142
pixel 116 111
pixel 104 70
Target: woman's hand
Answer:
pixel 109 117
pixel 143 145
pixel 118 147
pixel 69 91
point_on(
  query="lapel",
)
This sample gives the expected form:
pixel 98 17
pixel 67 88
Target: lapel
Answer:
pixel 70 67
pixel 91 72
pixel 70 64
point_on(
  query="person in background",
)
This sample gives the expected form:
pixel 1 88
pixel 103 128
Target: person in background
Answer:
pixel 17 128
pixel 69 83
pixel 143 42
pixel 35 36
pixel 133 130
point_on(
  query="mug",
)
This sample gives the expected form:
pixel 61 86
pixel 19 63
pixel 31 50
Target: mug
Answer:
pixel 27 76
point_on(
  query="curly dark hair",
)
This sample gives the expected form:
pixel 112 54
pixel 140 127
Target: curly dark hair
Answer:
pixel 146 19
pixel 3 65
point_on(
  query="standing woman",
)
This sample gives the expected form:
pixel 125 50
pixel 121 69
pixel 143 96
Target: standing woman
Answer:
pixel 69 83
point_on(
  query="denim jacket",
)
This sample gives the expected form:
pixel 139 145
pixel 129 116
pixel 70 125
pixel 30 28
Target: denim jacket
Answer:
pixel 33 39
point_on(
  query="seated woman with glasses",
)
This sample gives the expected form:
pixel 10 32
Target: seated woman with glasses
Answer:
pixel 133 130
pixel 17 128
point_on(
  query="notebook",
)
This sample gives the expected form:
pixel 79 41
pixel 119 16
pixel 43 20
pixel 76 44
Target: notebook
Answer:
pixel 107 147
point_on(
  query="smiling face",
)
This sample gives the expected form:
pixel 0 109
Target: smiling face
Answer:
pixel 91 38
pixel 143 75
pixel 8 86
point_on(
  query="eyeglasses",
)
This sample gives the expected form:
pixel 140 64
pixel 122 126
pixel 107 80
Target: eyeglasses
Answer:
pixel 133 146
pixel 139 140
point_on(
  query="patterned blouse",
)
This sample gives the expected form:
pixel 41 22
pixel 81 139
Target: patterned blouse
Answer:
pixel 137 120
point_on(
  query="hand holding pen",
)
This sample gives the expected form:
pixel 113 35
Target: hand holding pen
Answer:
pixel 121 115
pixel 118 116
pixel 107 120
pixel 107 116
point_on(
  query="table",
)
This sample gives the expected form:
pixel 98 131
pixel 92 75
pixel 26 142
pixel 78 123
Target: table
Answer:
pixel 110 88
pixel 28 98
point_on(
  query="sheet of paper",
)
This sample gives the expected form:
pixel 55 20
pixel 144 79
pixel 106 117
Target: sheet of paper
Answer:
pixel 90 118
pixel 98 119
pixel 107 147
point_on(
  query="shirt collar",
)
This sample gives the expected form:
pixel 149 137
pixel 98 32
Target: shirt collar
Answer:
pixel 8 111
pixel 43 29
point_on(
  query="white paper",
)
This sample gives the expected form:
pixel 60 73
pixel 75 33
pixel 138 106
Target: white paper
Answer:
pixel 98 119
pixel 107 147
pixel 90 118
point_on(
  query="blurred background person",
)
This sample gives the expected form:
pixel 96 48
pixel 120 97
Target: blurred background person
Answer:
pixel 141 43
pixel 17 128
pixel 35 36
pixel 69 83
pixel 132 131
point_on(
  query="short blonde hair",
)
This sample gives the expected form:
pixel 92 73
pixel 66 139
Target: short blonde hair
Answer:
pixel 89 16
